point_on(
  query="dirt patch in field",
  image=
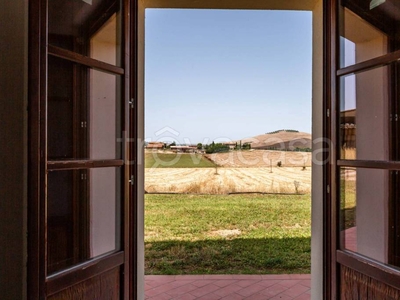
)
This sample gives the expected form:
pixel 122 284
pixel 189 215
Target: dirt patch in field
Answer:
pixel 226 233
pixel 261 158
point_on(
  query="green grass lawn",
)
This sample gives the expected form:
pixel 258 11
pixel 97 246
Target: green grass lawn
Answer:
pixel 188 234
pixel 176 160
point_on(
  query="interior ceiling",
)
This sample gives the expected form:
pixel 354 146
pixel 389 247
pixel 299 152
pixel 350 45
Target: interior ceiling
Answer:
pixel 69 17
pixel 233 4
pixel 385 16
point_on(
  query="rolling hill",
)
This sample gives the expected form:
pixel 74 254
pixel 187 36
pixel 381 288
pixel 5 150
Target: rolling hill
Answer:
pixel 280 140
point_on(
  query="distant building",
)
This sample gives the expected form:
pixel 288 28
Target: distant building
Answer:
pixel 184 149
pixel 231 145
pixel 155 146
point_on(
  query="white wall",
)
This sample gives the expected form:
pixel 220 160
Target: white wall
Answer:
pixel 13 151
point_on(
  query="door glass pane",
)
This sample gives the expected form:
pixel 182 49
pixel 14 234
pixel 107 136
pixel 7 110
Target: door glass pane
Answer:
pixel 104 115
pixel 364 216
pixel 359 40
pixel 62 112
pixel 364 117
pixel 88 27
pixel 84 112
pixel 83 216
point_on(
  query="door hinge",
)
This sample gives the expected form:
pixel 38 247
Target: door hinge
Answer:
pixel 328 112
pixel 83 124
pixel 83 176
pixel 131 180
pixel 396 117
pixel 132 103
pixel 328 189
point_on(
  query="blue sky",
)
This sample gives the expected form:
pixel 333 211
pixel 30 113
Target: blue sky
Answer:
pixel 226 74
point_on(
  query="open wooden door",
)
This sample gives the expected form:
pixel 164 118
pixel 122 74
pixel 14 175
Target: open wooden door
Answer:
pixel 363 210
pixel 80 214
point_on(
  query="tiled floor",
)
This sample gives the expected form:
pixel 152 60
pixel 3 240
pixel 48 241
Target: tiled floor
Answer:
pixel 227 287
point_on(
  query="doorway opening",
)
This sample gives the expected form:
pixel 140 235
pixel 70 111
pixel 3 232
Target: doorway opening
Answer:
pixel 228 141
pixel 318 146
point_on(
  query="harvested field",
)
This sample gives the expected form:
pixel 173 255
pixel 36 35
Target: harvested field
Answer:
pixel 261 158
pixel 228 180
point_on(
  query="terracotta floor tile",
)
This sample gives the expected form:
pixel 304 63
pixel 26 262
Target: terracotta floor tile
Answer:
pixel 159 290
pixel 245 276
pixel 227 290
pixel 214 277
pixel 306 283
pixel 189 277
pixel 185 297
pixel 210 296
pixel 274 290
pixel 200 283
pixel 247 282
pixel 160 297
pixel 204 290
pixel 251 290
pixel 281 297
pixel 305 296
pixel 276 276
pixel 300 276
pixel 268 282
pixel 290 282
pixel 184 289
pixel 160 277
pixel 223 283
pixel 232 297
pixel 296 290
pixel 256 297
pixel 228 287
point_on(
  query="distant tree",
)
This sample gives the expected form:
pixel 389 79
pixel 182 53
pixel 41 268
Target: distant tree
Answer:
pixel 214 148
pixel 199 146
pixel 246 146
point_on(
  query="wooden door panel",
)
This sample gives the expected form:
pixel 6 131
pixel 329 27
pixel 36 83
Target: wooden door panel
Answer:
pixel 356 285
pixel 361 62
pixel 79 234
pixel 105 286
